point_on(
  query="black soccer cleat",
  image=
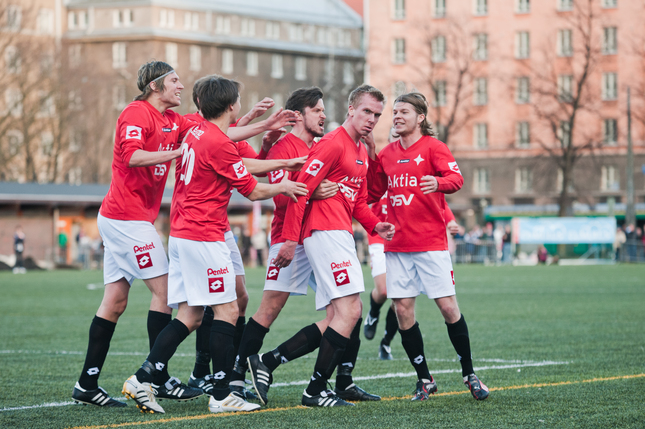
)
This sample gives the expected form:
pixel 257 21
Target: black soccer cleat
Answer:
pixel 355 393
pixel 261 376
pixel 176 390
pixel 385 352
pixel 205 384
pixel 477 388
pixel 425 389
pixel 242 391
pixel 326 398
pixel 98 397
pixel 369 327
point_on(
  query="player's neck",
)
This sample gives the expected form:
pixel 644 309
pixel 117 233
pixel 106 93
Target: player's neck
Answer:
pixel 410 139
pixel 222 122
pixel 303 134
pixel 157 103
pixel 353 133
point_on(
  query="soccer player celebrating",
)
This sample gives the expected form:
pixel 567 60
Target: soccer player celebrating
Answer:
pixel 201 270
pixel 146 141
pixel 327 234
pixel 417 171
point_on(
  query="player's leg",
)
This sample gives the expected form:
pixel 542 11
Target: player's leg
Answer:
pixel 242 303
pixel 202 368
pixel 378 296
pixel 159 315
pixel 391 328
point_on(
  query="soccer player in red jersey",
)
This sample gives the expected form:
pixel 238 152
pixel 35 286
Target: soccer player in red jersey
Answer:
pixel 416 171
pixel 147 139
pixel 201 270
pixel 327 234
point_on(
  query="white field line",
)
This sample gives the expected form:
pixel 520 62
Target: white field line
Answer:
pixel 519 364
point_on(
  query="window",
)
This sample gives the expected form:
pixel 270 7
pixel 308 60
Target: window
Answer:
pixel 439 88
pixel 522 134
pixel 71 21
pixel 523 90
pixel 301 68
pixel 128 17
pixel 47 142
pixel 195 53
pixel 522 44
pixel 399 9
pixel 439 8
pixel 344 38
pixel 276 66
pixel 523 180
pixel 74 55
pixel 227 61
pixel 223 25
pixel 247 27
pixel 272 30
pixel 399 88
pixel 252 63
pixel 481 91
pixel 564 5
pixel 438 46
pixel 191 21
pixel 480 52
pixel 522 6
pixel 481 7
pixel 609 40
pixel 564 134
pixel 565 47
pixel 171 54
pixel 398 51
pixel 13 18
pixel 610 86
pixel 119 97
pixel 83 19
pixel 46 62
pixel 45 21
pixel 609 178
pixel 480 136
pixel 609 131
pixel 13 102
pixel 12 60
pixel 481 181
pixel 565 87
pixel 166 18
pixel 119 58
pixel 14 141
pixel 609 4
pixel 323 36
pixel 296 33
pixel 348 73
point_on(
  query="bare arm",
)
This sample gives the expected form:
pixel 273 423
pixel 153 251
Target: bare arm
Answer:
pixel 279 119
pixel 260 166
pixel 142 158
pixel 258 110
pixel 264 191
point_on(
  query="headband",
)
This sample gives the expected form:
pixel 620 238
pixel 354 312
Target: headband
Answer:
pixel 163 75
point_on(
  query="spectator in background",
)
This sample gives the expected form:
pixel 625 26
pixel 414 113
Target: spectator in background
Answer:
pixel 506 244
pixel 542 254
pixel 259 242
pixel 630 242
pixel 620 239
pixel 19 248
pixel 62 245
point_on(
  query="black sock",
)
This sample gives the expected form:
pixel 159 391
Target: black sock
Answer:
pixel 202 348
pixel 157 321
pixel 223 355
pixel 239 330
pixel 331 349
pixel 375 308
pixel 391 327
pixel 413 344
pixel 303 342
pixel 348 359
pixel 458 333
pixel 165 346
pixel 101 331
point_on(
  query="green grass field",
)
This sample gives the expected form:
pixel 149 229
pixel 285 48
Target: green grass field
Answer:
pixel 558 346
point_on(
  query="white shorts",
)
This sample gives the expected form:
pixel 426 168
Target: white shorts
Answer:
pixel 236 256
pixel 133 250
pixel 377 259
pixel 409 274
pixel 201 273
pixel 332 255
pixel 295 278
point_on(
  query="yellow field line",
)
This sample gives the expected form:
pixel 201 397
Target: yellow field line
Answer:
pixel 270 410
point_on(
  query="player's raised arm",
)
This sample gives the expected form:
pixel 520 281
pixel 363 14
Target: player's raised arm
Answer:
pixel 277 120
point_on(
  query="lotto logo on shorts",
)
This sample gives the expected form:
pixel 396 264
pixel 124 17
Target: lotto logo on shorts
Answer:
pixel 314 167
pixel 144 260
pixel 452 274
pixel 273 273
pixel 341 277
pixel 216 284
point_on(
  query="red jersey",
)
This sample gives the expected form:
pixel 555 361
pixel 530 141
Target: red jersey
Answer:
pixel 135 192
pixel 340 159
pixel 380 210
pixel 418 218
pixel 210 167
pixel 287 147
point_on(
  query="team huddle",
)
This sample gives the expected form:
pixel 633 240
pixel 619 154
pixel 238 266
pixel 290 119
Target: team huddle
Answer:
pixel 318 187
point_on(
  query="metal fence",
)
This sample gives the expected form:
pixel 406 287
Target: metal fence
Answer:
pixel 478 252
pixel 633 250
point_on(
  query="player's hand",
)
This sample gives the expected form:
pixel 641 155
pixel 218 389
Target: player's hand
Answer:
pixel 326 189
pixel 286 254
pixel 260 108
pixel 453 227
pixel 281 118
pixel 292 189
pixel 295 164
pixel 385 230
pixel 371 145
pixel 271 137
pixel 429 184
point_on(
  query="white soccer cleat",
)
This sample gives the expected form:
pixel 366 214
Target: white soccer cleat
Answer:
pixel 142 394
pixel 231 403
